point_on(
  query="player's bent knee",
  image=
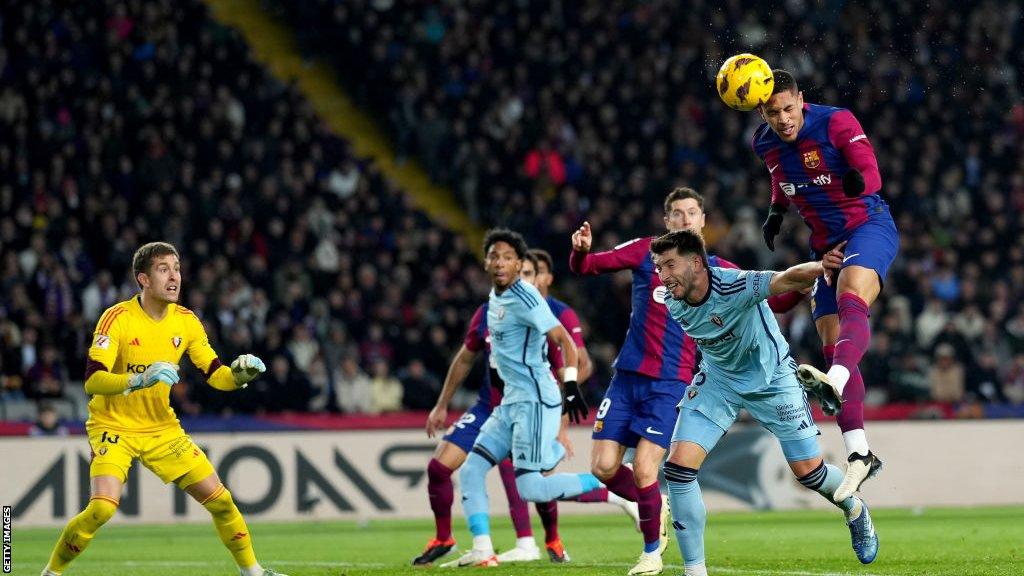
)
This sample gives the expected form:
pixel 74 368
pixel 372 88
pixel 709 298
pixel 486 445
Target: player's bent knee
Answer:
pixel 101 509
pixel 475 468
pixel 220 502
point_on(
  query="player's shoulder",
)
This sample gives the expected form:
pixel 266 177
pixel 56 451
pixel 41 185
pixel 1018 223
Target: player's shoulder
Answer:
pixel 525 293
pixel 763 137
pixel 720 274
pixel 111 316
pixel 556 305
pixel 179 309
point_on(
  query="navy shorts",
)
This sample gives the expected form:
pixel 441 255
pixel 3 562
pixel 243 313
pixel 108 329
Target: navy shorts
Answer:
pixel 464 431
pixel 873 245
pixel 637 406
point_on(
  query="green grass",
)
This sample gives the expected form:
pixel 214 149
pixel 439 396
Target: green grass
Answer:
pixel 969 541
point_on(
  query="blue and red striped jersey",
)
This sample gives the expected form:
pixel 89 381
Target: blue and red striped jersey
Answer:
pixel 809 172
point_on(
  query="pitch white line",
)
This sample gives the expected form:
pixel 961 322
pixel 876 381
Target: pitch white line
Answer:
pixel 199 564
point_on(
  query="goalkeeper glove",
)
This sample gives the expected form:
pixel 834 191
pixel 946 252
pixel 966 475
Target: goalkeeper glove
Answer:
pixel 156 372
pixel 573 402
pixel 853 183
pixel 772 225
pixel 246 368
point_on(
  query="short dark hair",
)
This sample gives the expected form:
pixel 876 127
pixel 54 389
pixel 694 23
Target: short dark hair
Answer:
pixel 545 257
pixel 144 256
pixel 533 259
pixel 684 241
pixel 682 193
pixel 784 81
pixel 513 239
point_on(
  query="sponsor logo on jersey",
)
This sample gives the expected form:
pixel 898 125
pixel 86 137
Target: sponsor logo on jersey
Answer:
pixel 717 320
pixel 811 159
pixel 135 342
pixel 823 179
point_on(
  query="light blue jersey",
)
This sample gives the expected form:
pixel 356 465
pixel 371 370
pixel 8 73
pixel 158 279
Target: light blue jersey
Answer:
pixel 735 330
pixel 518 320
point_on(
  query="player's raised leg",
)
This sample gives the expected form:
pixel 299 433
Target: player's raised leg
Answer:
pixel 80 530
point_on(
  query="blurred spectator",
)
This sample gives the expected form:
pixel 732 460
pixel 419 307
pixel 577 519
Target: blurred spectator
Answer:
pixel 354 388
pixel 946 375
pixel 421 388
pixel 47 422
pixel 387 390
pixel 47 377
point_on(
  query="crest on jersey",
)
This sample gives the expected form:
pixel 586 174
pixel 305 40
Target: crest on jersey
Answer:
pixel 692 393
pixel 659 294
pixel 176 341
pixel 717 320
pixel 811 159
pixel 501 312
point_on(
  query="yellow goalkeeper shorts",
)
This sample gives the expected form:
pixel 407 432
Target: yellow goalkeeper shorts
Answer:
pixel 170 454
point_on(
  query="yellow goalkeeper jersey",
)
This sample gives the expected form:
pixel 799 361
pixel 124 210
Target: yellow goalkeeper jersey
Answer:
pixel 126 342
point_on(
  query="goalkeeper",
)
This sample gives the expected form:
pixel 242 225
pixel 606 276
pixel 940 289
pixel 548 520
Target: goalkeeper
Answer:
pixel 131 367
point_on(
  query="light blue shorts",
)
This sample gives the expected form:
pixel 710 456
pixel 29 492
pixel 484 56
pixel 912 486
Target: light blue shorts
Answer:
pixel 527 430
pixel 708 409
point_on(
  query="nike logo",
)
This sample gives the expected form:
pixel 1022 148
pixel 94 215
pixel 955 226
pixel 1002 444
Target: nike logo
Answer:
pixel 772 168
pixel 843 340
pixel 653 431
pixel 570 398
pixel 850 256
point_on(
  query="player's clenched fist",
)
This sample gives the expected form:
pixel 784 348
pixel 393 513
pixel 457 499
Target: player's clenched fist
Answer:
pixel 582 238
pixel 246 368
pixel 156 372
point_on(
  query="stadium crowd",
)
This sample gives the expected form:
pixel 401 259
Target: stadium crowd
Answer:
pixel 542 114
pixel 124 122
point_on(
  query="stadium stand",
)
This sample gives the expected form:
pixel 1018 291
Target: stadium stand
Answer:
pixel 122 123
pixel 540 114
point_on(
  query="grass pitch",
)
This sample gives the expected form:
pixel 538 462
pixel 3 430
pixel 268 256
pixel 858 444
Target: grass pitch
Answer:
pixel 933 542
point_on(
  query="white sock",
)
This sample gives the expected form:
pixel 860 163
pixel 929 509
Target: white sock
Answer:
pixel 254 570
pixel 696 570
pixel 614 498
pixel 838 375
pixel 526 543
pixel 483 543
pixel 856 442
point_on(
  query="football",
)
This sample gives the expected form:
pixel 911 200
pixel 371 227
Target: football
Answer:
pixel 744 82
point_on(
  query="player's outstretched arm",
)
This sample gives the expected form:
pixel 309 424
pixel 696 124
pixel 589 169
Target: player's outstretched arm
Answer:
pixel 625 256
pixel 461 364
pixel 802 276
pixel 796 277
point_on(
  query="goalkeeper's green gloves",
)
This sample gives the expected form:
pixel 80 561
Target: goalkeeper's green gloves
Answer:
pixel 246 368
pixel 156 372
